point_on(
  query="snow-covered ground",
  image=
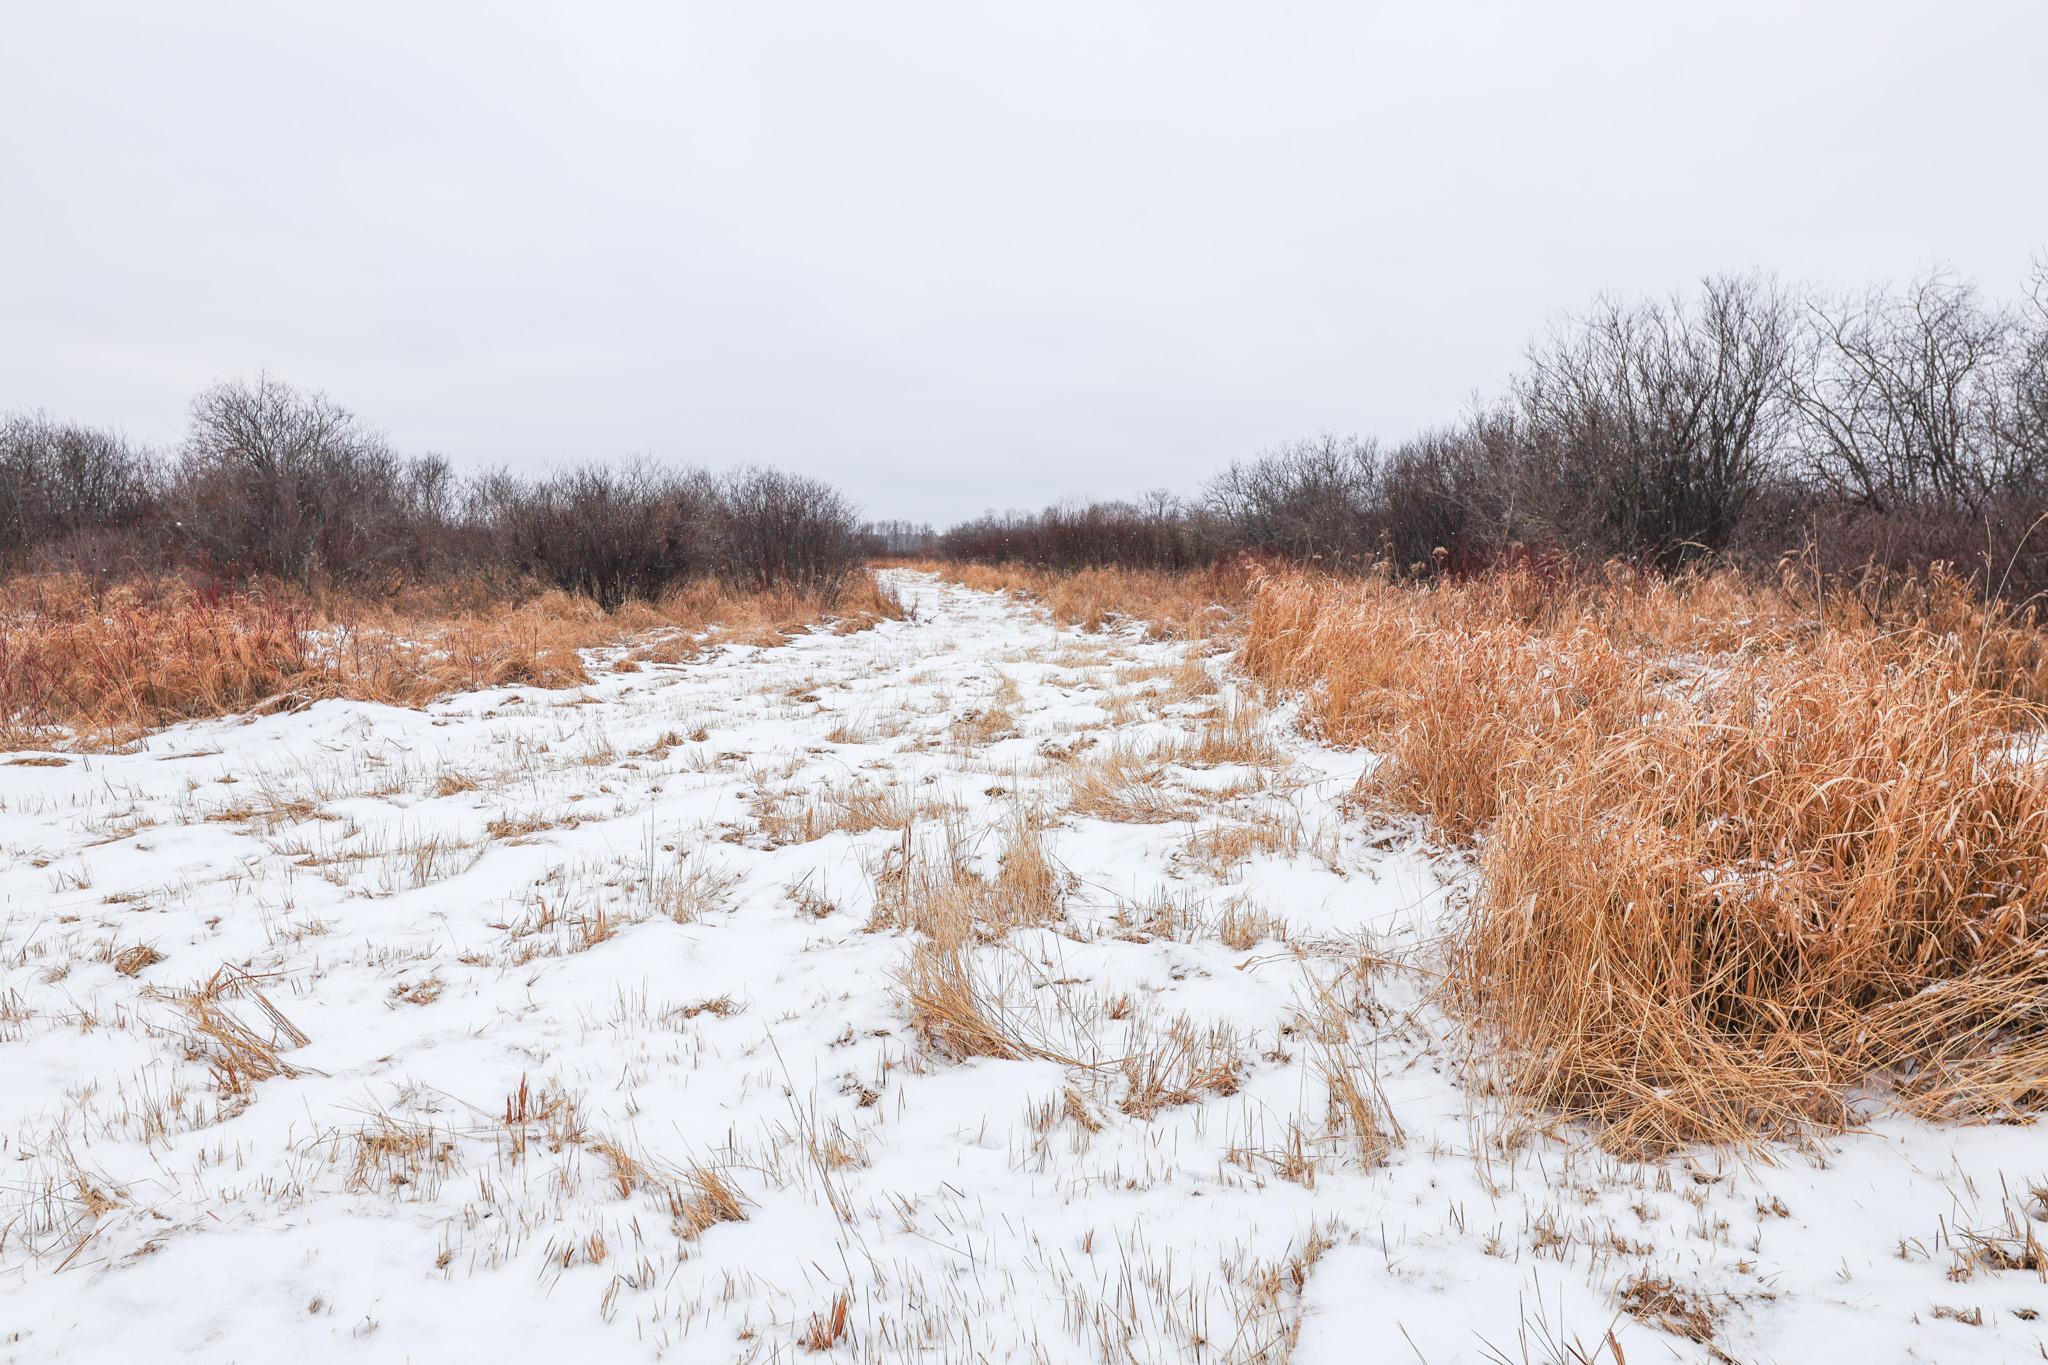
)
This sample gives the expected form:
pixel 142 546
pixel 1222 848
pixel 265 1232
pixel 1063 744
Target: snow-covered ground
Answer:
pixel 606 1056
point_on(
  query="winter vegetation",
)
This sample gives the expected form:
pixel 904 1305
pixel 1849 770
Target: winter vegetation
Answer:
pixel 1567 887
pixel 285 553
pixel 1737 424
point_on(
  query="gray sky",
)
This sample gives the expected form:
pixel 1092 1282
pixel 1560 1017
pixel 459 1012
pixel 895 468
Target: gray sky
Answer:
pixel 952 255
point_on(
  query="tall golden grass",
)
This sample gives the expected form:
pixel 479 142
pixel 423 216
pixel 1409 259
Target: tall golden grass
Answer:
pixel 96 669
pixel 1745 851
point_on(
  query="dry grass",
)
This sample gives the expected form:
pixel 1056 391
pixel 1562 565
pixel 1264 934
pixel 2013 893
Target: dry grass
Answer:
pixel 2014 1243
pixel 941 896
pixel 702 1199
pixel 1358 1111
pixel 826 1330
pixel 956 1008
pixel 423 990
pixel 1720 892
pixel 1667 1306
pixel 1233 732
pixel 856 807
pixel 1189 605
pixel 1127 783
pixel 237 1052
pixel 1809 875
pixel 953 1008
pixel 97 670
pixel 688 890
pixel 1457 687
pixel 132 961
pixel 386 1154
pixel 1243 926
pixel 1218 849
pixel 982 726
pixel 1183 1064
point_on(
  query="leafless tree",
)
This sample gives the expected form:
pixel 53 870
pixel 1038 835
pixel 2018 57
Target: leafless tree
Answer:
pixel 783 529
pixel 897 537
pixel 2021 404
pixel 610 532
pixel 1158 532
pixel 1899 396
pixel 1653 426
pixel 275 480
pixel 1310 500
pixel 60 481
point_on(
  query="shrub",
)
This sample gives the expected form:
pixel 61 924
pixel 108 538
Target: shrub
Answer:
pixel 1656 424
pixel 782 529
pixel 278 482
pixel 1160 533
pixel 61 482
pixel 274 483
pixel 1310 501
pixel 610 533
pixel 1734 424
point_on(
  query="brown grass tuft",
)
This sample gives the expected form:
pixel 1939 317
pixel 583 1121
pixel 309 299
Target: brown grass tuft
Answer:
pixel 953 1010
pixel 825 1331
pixel 944 898
pixel 1664 1305
pixel 2013 1244
pixel 238 1053
pixel 131 961
pixel 1740 855
pixel 1181 1066
pixel 1129 784
pixel 702 1198
pixel 99 669
pixel 856 807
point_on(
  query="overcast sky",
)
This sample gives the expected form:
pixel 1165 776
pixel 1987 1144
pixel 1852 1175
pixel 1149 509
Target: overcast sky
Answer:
pixel 952 256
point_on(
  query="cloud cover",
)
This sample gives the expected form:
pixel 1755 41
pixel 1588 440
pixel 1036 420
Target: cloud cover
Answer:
pixel 952 256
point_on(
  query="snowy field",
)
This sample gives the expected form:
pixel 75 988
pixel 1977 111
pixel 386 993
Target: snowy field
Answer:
pixel 577 1025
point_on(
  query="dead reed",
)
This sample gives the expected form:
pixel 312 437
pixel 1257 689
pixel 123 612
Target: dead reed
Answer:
pixel 97 669
pixel 1743 853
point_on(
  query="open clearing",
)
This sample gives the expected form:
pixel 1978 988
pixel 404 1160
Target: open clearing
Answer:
pixel 965 988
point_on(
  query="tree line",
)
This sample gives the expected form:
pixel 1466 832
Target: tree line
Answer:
pixel 273 482
pixel 1740 420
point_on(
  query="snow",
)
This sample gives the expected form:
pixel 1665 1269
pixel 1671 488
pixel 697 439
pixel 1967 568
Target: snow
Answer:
pixel 419 894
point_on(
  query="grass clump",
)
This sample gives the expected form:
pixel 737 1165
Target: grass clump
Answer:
pixel 1742 856
pixel 97 669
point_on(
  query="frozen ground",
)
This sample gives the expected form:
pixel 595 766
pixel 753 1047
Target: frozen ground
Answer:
pixel 568 1026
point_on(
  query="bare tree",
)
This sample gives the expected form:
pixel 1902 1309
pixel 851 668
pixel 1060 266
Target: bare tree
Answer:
pixel 1899 398
pixel 1655 425
pixel 1158 532
pixel 2021 402
pixel 611 533
pixel 274 480
pixel 782 529
pixel 59 480
pixel 897 537
pixel 1311 500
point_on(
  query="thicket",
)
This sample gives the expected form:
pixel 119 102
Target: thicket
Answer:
pixel 1736 423
pixel 273 483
